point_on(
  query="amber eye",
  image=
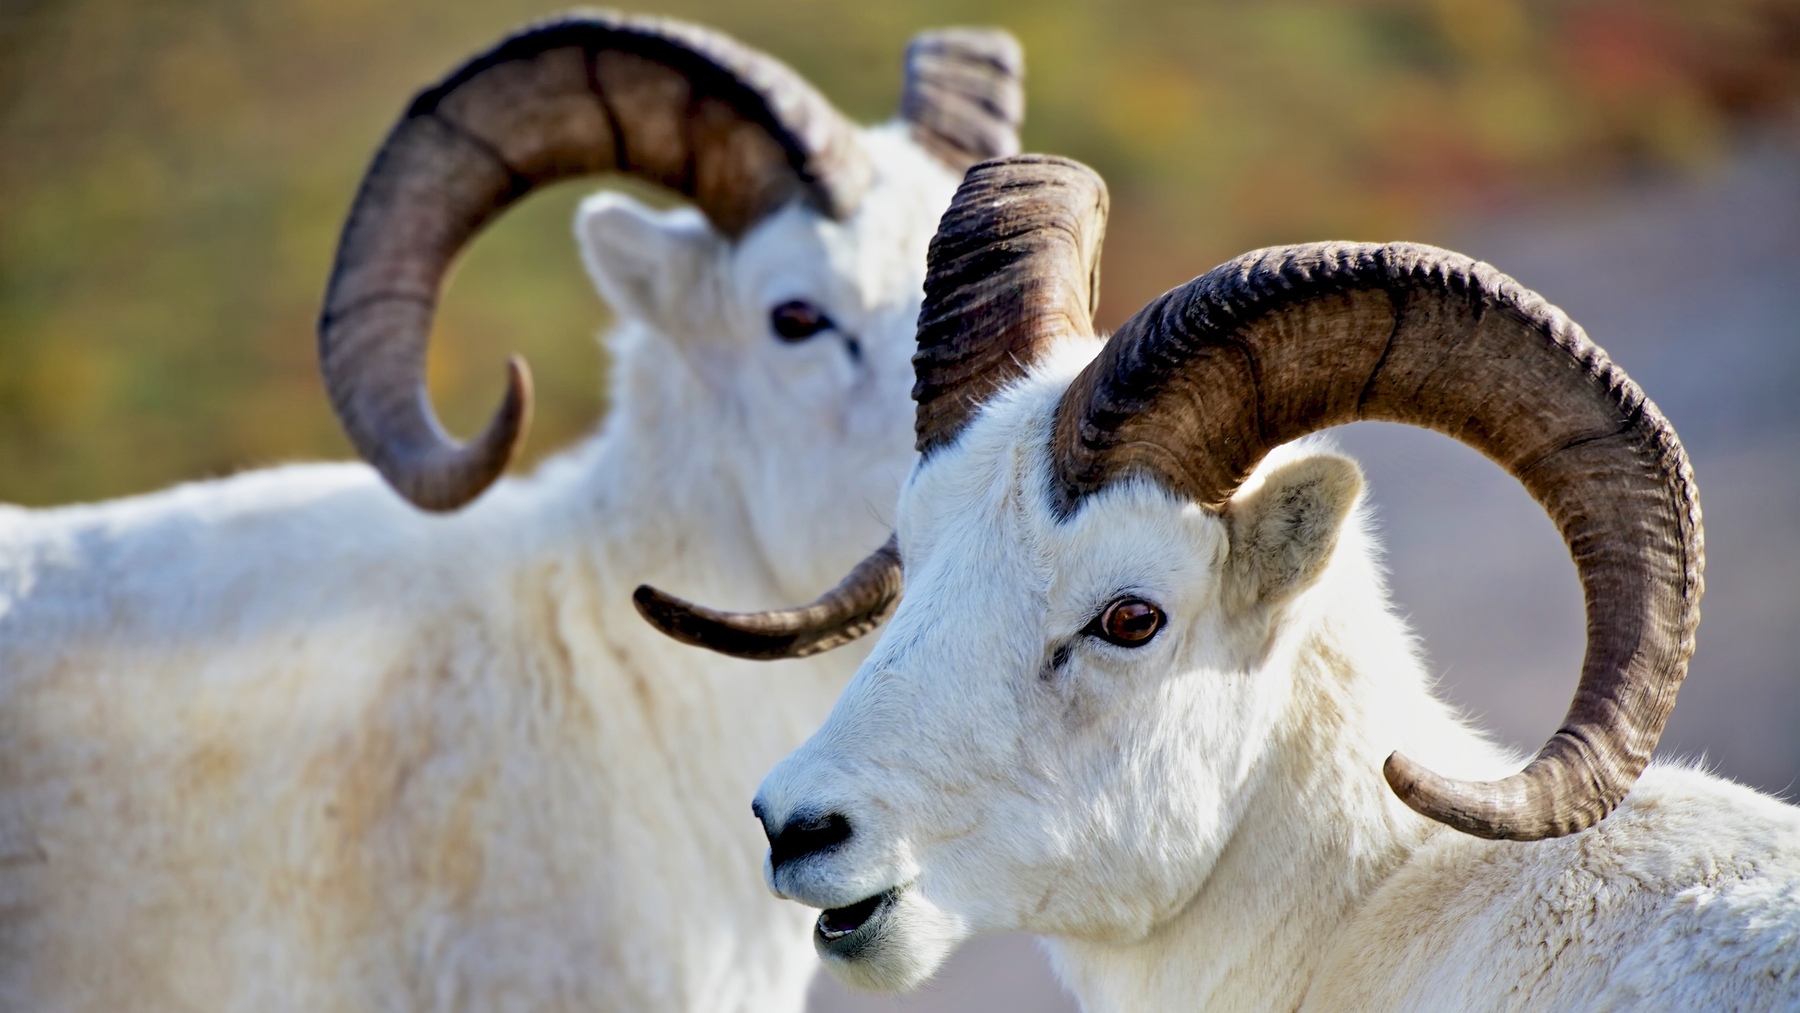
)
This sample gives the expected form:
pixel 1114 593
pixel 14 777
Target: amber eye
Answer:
pixel 1128 622
pixel 795 320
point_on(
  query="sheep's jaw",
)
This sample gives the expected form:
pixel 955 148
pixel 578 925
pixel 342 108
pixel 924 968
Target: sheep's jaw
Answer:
pixel 845 932
pixel 892 941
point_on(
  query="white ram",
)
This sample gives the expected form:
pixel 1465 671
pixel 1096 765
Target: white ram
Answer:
pixel 283 742
pixel 1145 673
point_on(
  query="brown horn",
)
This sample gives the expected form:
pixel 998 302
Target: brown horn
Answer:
pixel 1204 381
pixel 857 605
pixel 993 299
pixel 965 94
pixel 1015 265
pixel 732 128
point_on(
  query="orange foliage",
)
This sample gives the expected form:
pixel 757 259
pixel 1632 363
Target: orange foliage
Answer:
pixel 172 175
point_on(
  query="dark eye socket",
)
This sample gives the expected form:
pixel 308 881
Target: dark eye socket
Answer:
pixel 1127 622
pixel 796 320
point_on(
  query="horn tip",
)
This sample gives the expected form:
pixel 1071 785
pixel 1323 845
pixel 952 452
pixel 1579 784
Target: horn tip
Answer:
pixel 663 611
pixel 1402 776
pixel 683 621
pixel 1437 798
pixel 520 403
pixel 680 619
pixel 449 478
pixel 1470 807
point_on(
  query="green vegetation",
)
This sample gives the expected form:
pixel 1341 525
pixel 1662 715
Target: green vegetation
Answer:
pixel 172 175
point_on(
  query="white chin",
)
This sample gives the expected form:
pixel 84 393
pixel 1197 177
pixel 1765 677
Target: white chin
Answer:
pixel 911 942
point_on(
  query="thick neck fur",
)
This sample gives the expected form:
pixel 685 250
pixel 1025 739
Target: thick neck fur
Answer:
pixel 1286 882
pixel 281 742
pixel 643 514
pixel 377 760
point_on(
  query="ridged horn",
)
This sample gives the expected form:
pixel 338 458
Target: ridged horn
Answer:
pixel 965 94
pixel 1015 265
pixel 731 128
pixel 860 602
pixel 1204 381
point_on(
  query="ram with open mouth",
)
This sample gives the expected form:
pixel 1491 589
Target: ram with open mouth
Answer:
pixel 1145 695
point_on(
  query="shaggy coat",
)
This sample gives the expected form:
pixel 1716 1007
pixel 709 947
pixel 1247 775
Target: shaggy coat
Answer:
pixel 1201 822
pixel 282 742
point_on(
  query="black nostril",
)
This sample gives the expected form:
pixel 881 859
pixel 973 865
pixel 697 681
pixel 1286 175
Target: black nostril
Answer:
pixel 807 834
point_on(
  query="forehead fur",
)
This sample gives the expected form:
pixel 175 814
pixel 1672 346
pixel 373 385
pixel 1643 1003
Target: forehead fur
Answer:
pixel 902 167
pixel 988 468
pixel 867 261
pixel 990 489
pixel 997 474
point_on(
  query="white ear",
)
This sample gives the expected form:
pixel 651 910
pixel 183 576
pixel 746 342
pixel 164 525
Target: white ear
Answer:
pixel 645 262
pixel 1284 530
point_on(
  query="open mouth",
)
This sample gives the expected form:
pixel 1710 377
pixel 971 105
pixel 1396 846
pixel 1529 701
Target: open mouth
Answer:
pixel 839 927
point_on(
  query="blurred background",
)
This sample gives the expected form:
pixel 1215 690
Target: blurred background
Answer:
pixel 173 174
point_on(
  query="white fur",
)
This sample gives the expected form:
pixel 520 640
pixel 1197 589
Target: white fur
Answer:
pixel 1201 822
pixel 281 742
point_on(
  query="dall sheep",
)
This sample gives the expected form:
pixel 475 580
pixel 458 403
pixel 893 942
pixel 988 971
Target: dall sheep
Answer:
pixel 1145 671
pixel 282 742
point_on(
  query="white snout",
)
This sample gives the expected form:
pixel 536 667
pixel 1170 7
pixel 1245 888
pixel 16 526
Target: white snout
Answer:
pixel 826 848
pixel 833 851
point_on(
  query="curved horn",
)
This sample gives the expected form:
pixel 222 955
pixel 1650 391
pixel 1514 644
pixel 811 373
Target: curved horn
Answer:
pixel 965 94
pixel 731 128
pixel 857 605
pixel 1015 265
pixel 1204 381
